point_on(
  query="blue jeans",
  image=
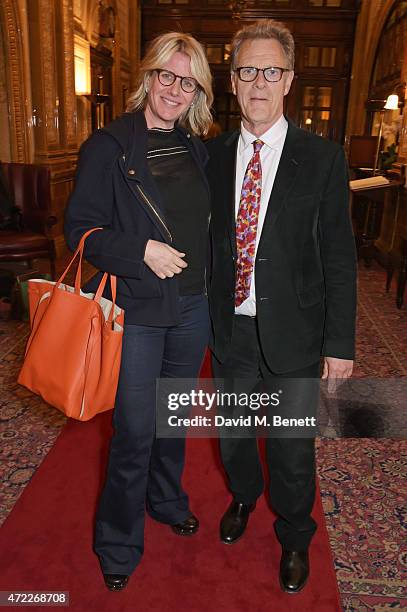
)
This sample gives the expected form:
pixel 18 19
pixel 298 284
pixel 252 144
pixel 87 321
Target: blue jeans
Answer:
pixel 145 471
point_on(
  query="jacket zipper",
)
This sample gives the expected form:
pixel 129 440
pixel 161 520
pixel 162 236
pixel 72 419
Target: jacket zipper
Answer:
pixel 145 198
pixel 147 201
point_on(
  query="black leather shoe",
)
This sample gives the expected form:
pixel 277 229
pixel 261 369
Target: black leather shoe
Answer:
pixel 294 570
pixel 115 582
pixel 187 527
pixel 234 521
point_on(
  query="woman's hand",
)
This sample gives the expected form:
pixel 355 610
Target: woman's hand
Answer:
pixel 163 260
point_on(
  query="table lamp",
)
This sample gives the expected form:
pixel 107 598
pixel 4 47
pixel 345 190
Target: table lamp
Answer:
pixel 392 103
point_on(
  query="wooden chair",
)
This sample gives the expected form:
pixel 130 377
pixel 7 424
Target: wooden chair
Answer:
pixel 29 189
pixel 362 151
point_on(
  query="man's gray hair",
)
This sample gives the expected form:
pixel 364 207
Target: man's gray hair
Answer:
pixel 265 29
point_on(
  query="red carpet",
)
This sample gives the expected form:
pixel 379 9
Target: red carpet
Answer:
pixel 46 542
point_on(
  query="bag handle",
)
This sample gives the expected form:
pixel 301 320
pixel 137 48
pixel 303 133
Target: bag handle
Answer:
pixel 100 290
pixel 78 276
pixel 79 251
pixel 113 289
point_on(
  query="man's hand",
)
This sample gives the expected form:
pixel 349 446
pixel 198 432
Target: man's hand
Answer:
pixel 336 370
pixel 163 260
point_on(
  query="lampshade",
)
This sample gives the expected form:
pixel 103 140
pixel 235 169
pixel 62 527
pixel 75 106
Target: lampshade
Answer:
pixel 392 102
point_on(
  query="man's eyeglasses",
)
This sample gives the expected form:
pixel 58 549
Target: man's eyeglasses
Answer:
pixel 272 74
pixel 167 78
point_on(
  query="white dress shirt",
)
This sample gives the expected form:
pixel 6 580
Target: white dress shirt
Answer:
pixel 270 154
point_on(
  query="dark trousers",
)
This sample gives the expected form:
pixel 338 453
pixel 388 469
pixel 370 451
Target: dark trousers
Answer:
pixel 145 471
pixel 290 461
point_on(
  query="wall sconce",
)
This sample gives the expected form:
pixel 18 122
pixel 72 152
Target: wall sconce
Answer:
pixel 98 100
pixel 82 66
pixel 392 103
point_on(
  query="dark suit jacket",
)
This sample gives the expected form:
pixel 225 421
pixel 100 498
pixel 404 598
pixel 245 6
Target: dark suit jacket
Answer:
pixel 115 189
pixel 305 263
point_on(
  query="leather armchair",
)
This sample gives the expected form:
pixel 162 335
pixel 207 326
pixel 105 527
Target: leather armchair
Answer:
pixel 29 189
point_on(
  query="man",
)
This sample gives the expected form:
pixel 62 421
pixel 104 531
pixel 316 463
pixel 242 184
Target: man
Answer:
pixel 283 284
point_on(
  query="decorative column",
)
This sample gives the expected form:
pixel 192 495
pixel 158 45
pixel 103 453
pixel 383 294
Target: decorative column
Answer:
pixel 13 22
pixel 53 99
pixel 67 99
pixel 44 78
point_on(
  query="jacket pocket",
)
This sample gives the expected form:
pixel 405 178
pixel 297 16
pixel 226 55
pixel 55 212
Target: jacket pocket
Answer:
pixel 146 287
pixel 314 294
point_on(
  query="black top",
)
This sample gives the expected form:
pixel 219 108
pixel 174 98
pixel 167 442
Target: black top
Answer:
pixel 186 203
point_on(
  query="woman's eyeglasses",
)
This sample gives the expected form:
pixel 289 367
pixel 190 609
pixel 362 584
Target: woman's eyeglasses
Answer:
pixel 167 78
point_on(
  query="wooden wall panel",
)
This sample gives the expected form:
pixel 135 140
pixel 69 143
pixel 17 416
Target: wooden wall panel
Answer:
pixel 311 26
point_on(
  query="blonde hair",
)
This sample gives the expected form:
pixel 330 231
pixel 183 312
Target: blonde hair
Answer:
pixel 197 117
pixel 265 29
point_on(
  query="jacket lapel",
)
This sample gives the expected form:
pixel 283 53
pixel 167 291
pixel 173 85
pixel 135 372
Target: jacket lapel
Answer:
pixel 135 163
pixel 229 185
pixel 291 158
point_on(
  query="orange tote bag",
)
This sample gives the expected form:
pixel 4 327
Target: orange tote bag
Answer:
pixel 73 354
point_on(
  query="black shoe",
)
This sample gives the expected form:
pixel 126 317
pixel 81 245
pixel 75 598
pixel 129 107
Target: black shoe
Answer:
pixel 115 582
pixel 294 570
pixel 234 521
pixel 187 527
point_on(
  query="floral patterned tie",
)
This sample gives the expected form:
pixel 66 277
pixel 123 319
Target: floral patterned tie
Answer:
pixel 246 225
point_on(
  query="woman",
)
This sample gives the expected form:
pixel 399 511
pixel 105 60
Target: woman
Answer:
pixel 142 179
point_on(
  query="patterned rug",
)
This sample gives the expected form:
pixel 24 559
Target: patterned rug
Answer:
pixel 364 503
pixel 362 480
pixel 28 426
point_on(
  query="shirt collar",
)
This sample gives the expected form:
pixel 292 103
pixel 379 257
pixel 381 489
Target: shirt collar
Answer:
pixel 271 138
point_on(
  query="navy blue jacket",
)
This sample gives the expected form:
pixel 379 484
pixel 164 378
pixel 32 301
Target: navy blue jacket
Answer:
pixel 114 189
